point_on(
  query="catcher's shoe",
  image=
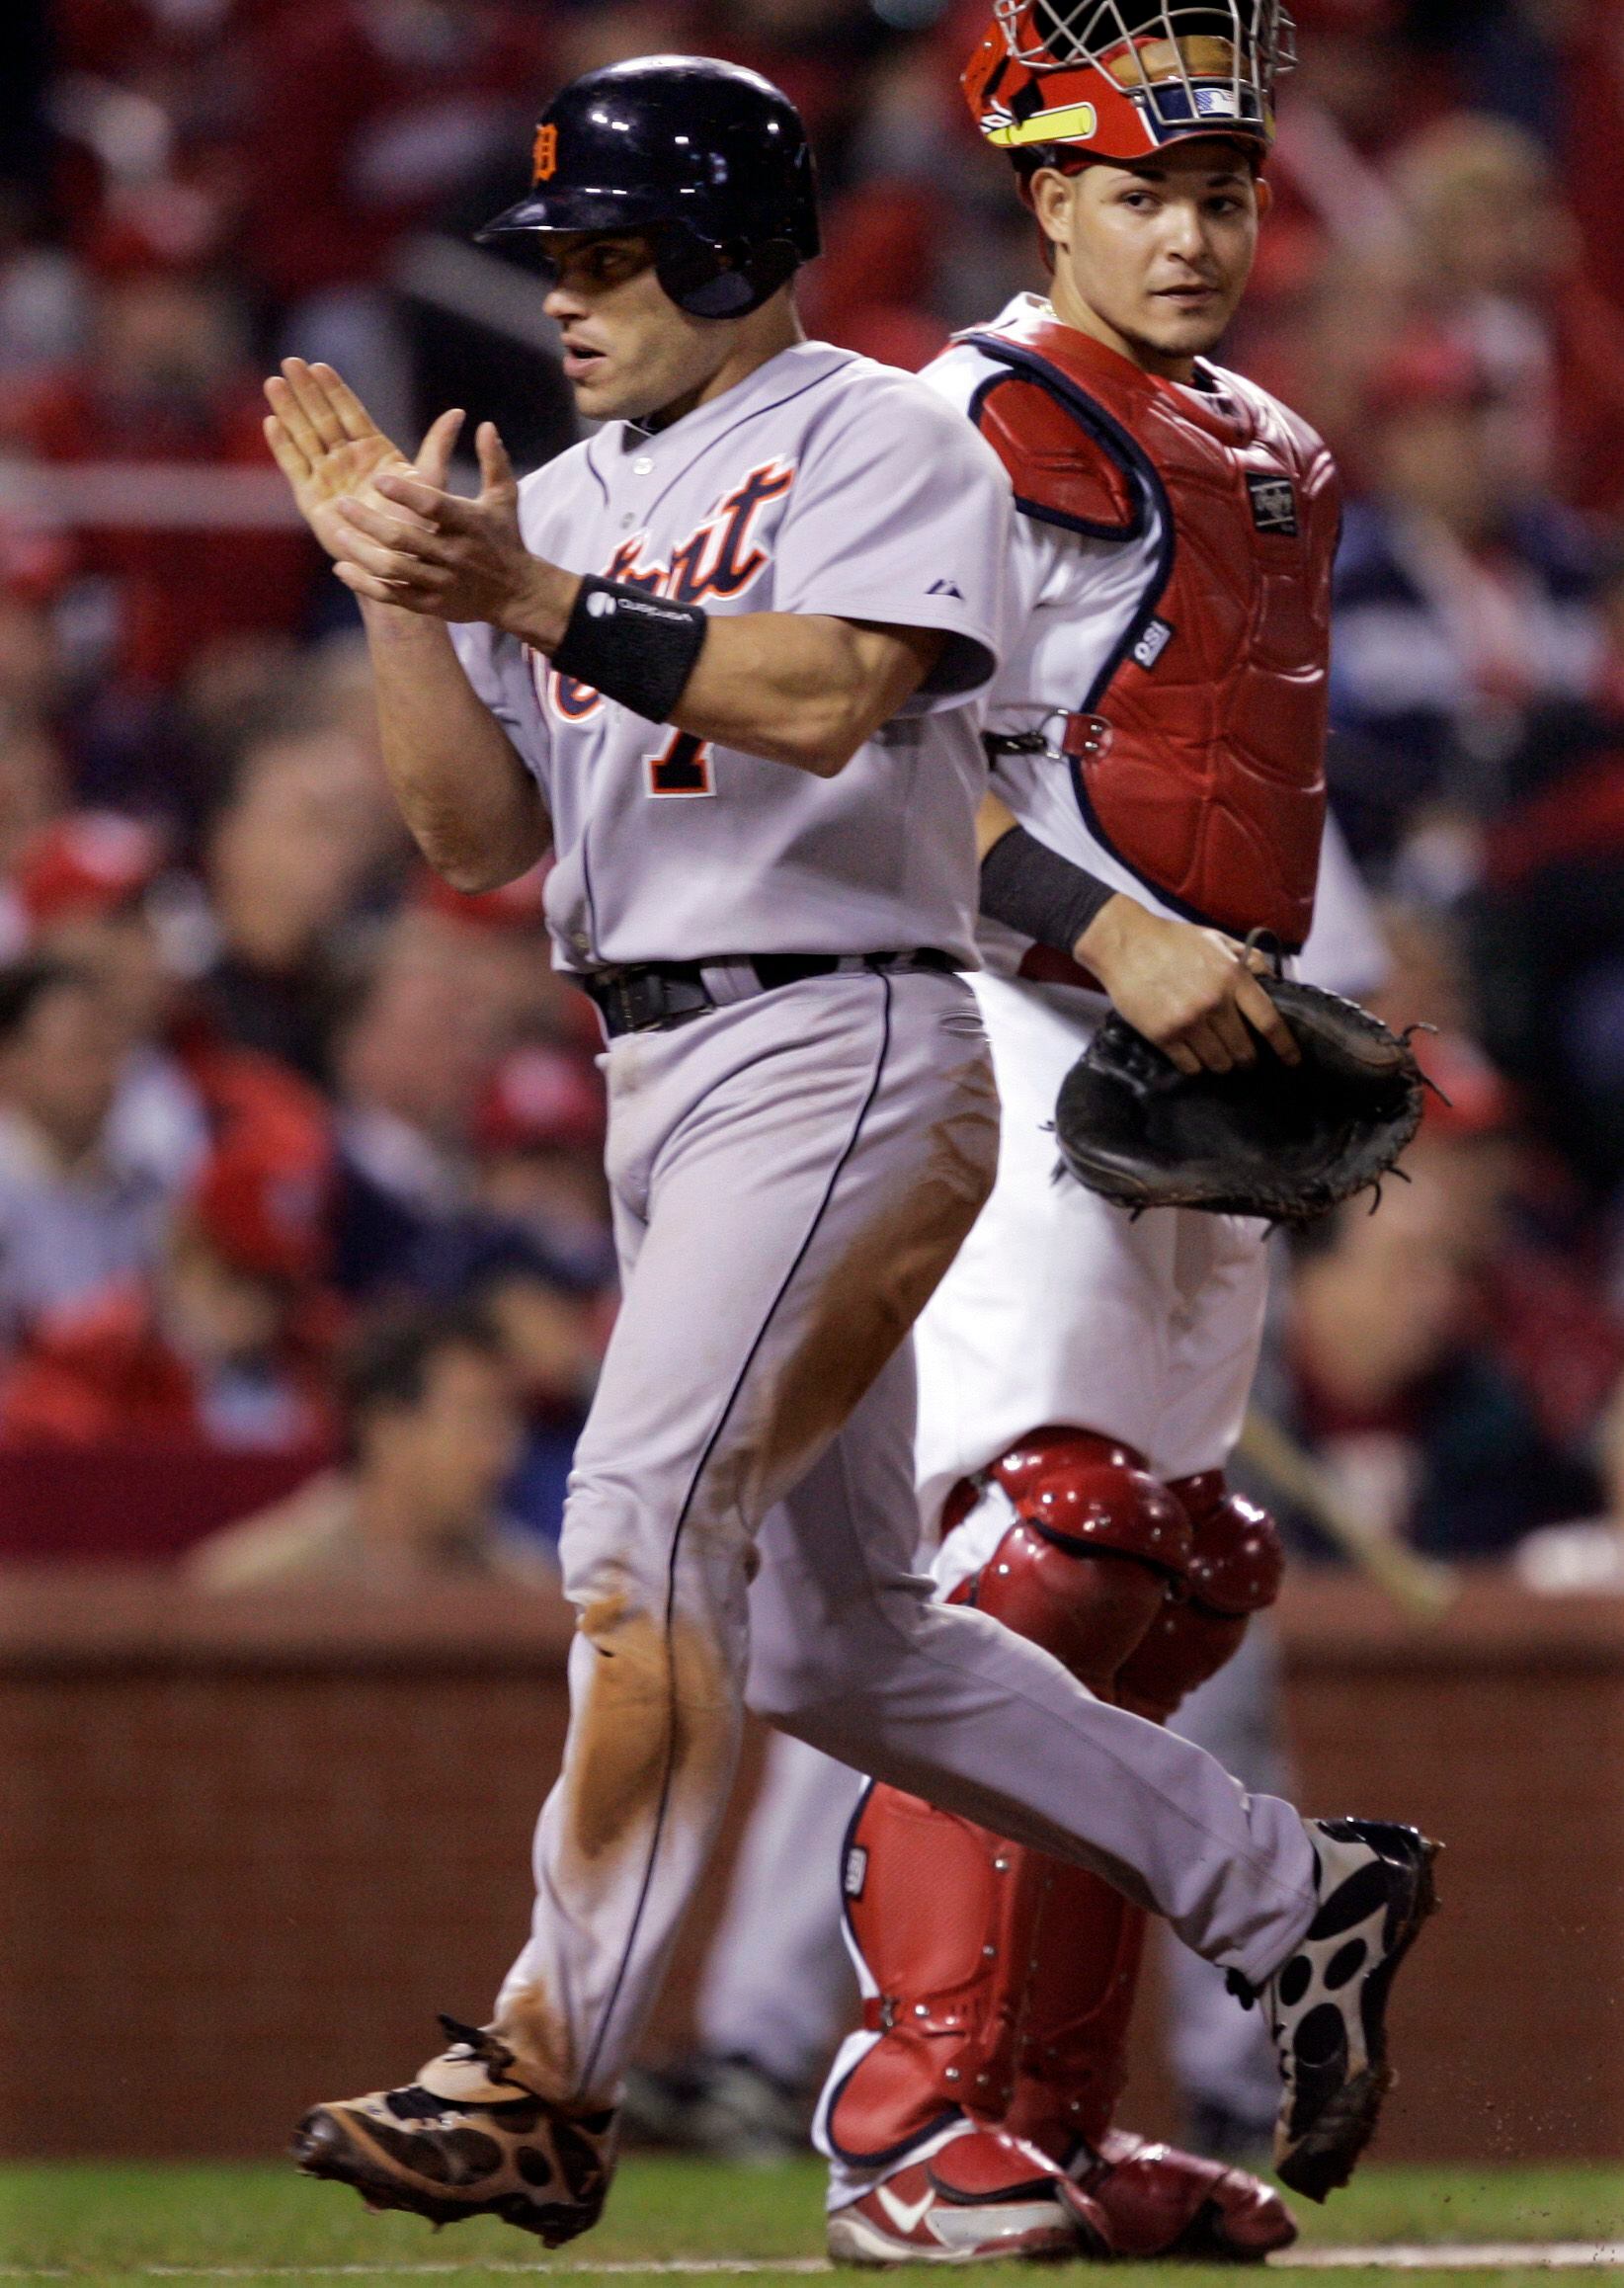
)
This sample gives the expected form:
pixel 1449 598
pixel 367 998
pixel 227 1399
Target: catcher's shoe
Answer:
pixel 985 2195
pixel 1159 2202
pixel 1327 2004
pixel 466 2139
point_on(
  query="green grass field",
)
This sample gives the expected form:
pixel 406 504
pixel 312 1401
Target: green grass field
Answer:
pixel 94 2223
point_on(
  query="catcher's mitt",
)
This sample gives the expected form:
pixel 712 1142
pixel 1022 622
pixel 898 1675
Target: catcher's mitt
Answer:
pixel 1283 1141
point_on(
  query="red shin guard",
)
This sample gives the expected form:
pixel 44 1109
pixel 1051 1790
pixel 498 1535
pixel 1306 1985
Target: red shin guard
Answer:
pixel 953 1921
pixel 1006 1979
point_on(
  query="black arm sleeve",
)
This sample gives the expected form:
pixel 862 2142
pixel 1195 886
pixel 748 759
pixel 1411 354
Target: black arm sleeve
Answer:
pixel 1032 889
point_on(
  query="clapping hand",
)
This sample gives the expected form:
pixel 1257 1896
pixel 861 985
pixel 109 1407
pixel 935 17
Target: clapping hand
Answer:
pixel 330 449
pixel 412 543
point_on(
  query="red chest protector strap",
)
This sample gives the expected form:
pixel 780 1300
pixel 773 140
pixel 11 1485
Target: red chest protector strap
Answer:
pixel 1198 752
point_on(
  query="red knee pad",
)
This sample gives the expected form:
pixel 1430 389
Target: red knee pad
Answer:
pixel 1088 1495
pixel 1088 1612
pixel 1238 1559
pixel 1085 1503
pixel 1234 1571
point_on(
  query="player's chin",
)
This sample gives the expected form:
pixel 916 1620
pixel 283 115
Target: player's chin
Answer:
pixel 603 383
pixel 1189 328
pixel 593 393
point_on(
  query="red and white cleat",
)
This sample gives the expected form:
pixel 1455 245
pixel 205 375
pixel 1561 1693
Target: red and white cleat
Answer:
pixel 1159 2202
pixel 983 2196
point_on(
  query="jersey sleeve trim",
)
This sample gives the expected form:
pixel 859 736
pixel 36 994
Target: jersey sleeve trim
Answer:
pixel 969 659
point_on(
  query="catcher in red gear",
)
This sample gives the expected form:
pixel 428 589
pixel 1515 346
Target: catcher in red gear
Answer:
pixel 1156 738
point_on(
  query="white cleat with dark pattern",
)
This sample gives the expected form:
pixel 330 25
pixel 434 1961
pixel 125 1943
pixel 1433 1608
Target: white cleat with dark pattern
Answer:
pixel 984 2197
pixel 1327 2004
pixel 466 2139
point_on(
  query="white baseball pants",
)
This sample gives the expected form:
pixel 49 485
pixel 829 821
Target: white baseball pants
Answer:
pixel 1061 1308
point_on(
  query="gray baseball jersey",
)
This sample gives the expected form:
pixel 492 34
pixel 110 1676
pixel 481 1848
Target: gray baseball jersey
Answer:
pixel 822 484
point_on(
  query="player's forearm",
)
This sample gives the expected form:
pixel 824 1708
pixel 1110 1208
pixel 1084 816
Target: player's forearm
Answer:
pixel 804 689
pixel 801 688
pixel 471 808
pixel 1032 889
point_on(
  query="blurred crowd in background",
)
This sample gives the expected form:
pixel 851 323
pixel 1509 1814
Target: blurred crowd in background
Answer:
pixel 300 1151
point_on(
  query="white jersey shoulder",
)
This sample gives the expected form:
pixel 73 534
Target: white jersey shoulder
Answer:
pixel 821 484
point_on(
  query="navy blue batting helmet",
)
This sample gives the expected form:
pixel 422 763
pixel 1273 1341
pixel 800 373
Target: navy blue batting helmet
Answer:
pixel 710 160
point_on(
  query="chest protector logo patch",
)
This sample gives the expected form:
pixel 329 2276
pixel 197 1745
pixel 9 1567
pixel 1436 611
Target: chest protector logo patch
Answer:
pixel 1152 644
pixel 1273 505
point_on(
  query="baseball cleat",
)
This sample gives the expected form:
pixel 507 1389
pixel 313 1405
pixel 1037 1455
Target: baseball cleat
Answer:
pixel 983 2197
pixel 1326 2004
pixel 466 2139
pixel 1159 2202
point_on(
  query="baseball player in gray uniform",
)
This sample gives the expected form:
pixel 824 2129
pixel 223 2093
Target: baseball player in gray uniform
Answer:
pixel 723 659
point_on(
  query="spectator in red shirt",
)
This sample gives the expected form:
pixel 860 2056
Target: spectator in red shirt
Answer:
pixel 224 1345
pixel 86 891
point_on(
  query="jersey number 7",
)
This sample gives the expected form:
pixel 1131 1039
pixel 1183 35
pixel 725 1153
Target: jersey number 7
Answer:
pixel 683 766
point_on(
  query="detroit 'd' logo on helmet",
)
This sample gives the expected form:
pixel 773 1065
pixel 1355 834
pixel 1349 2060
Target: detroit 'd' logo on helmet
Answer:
pixel 545 156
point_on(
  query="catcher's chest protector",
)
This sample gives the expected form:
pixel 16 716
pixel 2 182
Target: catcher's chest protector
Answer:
pixel 1198 758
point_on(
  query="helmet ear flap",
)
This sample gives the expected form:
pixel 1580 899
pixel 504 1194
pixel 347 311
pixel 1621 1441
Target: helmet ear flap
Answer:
pixel 721 282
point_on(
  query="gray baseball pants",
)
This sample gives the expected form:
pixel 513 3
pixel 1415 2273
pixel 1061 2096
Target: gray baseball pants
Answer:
pixel 791 1176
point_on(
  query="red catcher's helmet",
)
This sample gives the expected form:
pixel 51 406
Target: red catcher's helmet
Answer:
pixel 1122 79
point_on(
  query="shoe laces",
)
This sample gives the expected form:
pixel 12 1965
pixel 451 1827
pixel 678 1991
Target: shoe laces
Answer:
pixel 415 2103
pixel 477 2046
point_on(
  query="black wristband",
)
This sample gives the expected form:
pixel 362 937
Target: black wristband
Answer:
pixel 633 647
pixel 1034 890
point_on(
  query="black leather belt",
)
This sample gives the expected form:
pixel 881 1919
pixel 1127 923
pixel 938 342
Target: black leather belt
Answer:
pixel 653 996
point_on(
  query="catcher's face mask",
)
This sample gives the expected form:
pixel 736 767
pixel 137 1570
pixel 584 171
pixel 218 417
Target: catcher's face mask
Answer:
pixel 1122 79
